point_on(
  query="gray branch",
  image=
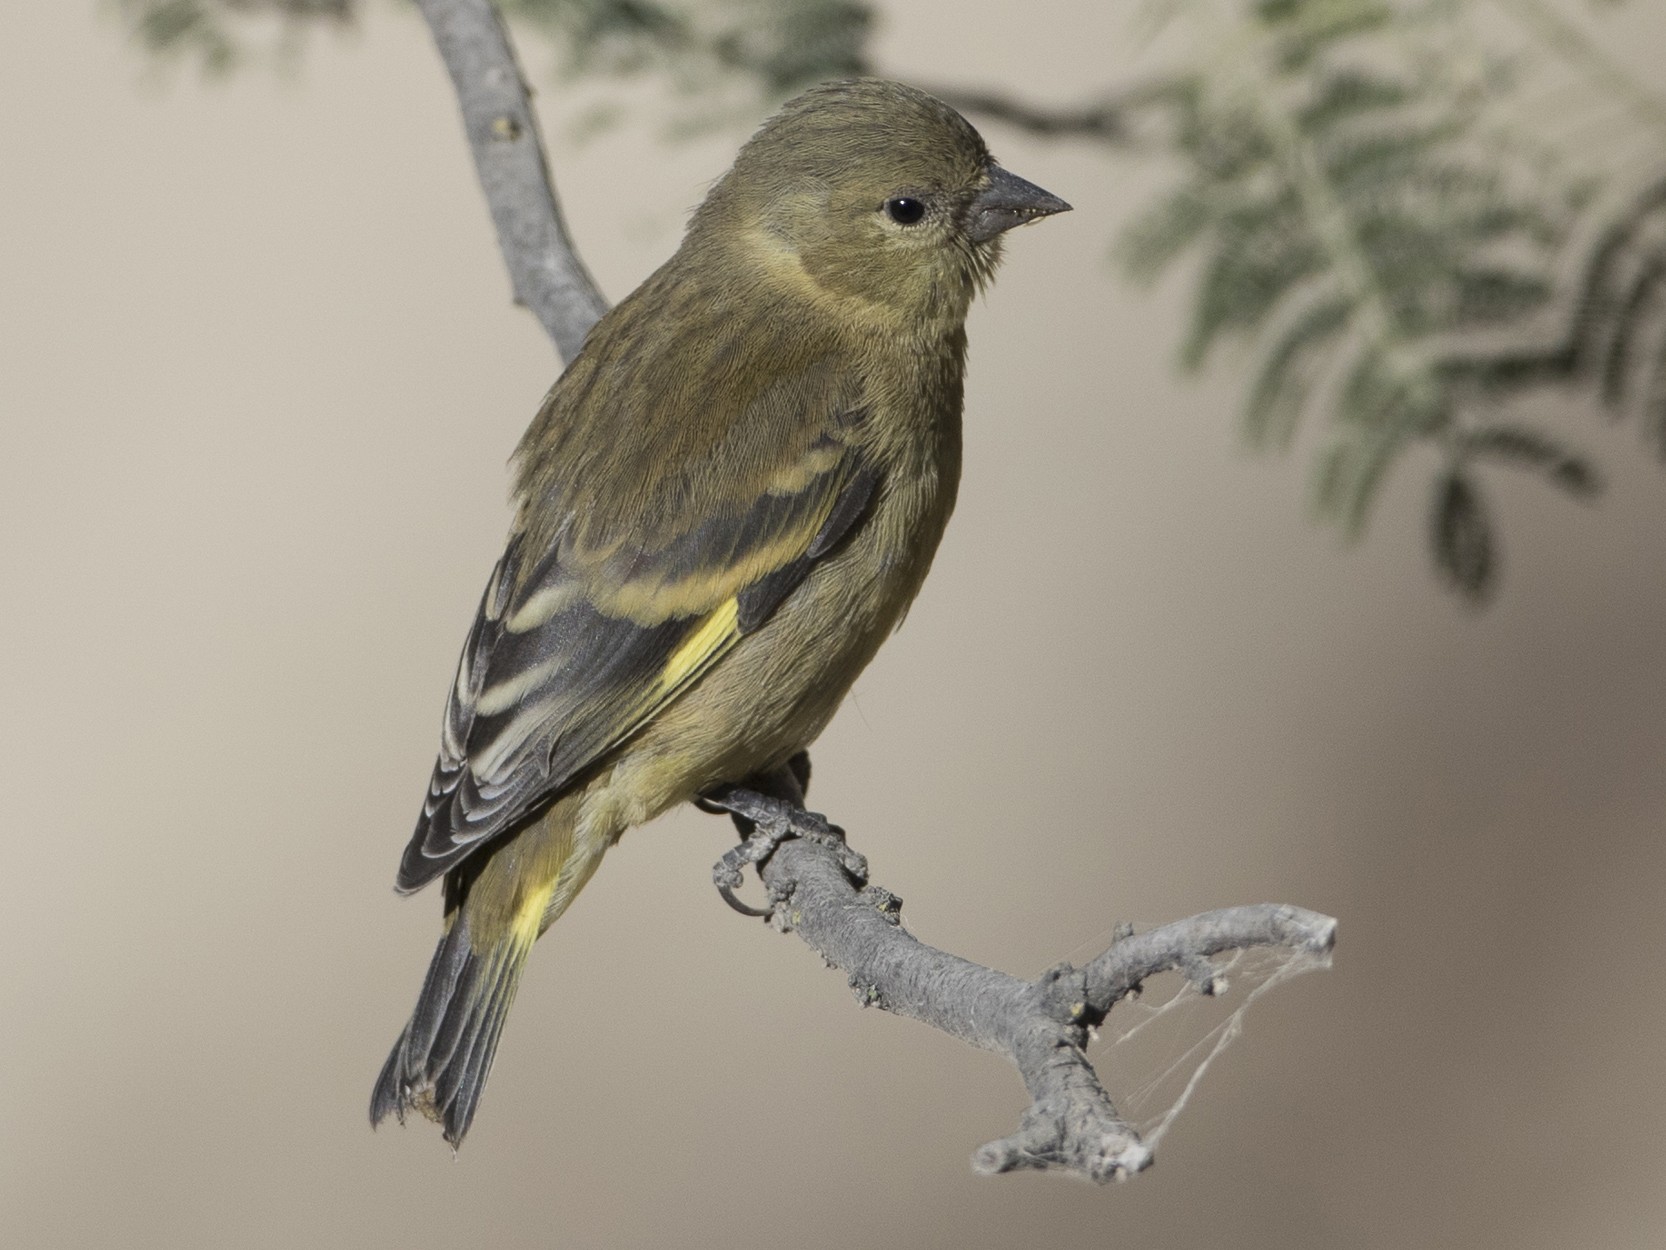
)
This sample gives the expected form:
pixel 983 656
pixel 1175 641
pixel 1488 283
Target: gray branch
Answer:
pixel 547 274
pixel 815 882
pixel 816 886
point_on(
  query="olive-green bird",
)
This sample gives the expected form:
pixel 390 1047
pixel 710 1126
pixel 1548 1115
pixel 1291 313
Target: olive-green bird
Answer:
pixel 724 506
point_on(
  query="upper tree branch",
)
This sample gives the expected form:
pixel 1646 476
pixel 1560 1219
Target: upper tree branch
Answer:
pixel 509 156
pixel 1116 119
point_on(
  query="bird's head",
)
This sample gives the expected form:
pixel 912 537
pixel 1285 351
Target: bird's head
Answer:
pixel 876 199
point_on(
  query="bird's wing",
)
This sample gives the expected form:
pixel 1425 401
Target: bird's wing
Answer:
pixel 578 645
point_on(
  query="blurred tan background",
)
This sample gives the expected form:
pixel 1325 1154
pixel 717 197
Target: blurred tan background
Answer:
pixel 258 380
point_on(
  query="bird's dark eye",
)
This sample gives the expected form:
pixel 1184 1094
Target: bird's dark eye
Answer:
pixel 905 210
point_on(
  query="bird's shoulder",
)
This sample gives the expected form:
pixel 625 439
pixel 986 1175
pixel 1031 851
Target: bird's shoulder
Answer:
pixel 693 399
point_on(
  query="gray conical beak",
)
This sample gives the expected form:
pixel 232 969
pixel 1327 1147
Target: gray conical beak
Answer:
pixel 1006 202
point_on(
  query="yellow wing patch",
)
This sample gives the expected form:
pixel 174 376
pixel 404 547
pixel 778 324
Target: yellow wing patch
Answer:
pixel 710 640
pixel 704 645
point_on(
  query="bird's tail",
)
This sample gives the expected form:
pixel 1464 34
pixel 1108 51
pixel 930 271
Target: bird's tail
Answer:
pixel 495 913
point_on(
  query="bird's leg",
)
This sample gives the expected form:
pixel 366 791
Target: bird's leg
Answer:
pixel 768 809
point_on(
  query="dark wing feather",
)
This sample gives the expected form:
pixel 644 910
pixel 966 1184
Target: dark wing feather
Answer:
pixel 576 647
pixel 761 597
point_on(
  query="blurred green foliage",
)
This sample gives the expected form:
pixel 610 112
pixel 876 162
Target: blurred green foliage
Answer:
pixel 220 34
pixel 1375 205
pixel 784 47
pixel 726 60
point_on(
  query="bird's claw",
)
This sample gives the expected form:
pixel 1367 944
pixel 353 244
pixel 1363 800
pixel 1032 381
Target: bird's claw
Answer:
pixel 727 894
pixel 814 827
pixel 730 871
pixel 771 822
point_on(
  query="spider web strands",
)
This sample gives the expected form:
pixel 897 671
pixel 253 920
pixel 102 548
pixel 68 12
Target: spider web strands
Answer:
pixel 1260 970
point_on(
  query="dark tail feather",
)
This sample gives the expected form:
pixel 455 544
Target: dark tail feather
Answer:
pixel 440 1063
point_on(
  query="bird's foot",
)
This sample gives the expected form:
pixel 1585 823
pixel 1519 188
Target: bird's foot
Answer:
pixel 769 821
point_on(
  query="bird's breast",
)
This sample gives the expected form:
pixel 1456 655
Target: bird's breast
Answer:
pixel 776 690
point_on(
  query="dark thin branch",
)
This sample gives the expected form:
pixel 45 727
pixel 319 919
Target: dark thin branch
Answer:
pixel 547 274
pixel 1114 119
